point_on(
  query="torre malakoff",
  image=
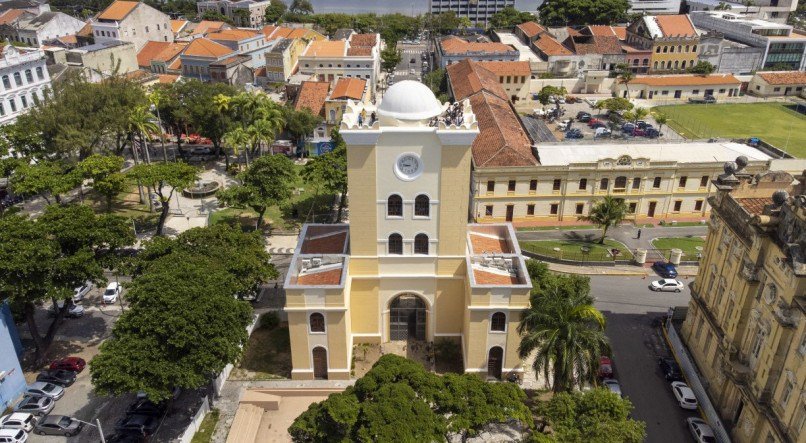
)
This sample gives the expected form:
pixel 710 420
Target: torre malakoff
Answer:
pixel 408 269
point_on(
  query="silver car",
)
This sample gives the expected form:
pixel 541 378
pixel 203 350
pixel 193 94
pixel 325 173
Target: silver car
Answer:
pixel 58 425
pixel 35 404
pixel 82 290
pixel 45 389
pixel 613 385
pixel 667 285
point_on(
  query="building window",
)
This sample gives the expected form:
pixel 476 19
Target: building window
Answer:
pixel 395 246
pixel 683 181
pixel 656 183
pixel 694 48
pixel 603 184
pixel 394 206
pixel 317 322
pixel 632 208
pixel 2 109
pixel 498 322
pixel 620 183
pixel 511 186
pixel 788 388
pixel 6 82
pixel 677 205
pixel 422 206
pixel 698 205
pixel 29 76
pixel 704 181
pixel 17 79
pixel 421 244
pixel 583 184
pixel 530 209
pixel 533 185
pixel 39 74
pixel 556 185
pixel 13 105
pixel 491 186
pixel 488 210
pixel 636 183
pixel 579 208
pixel 24 100
pixel 554 208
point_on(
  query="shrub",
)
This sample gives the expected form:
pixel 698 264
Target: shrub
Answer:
pixel 269 320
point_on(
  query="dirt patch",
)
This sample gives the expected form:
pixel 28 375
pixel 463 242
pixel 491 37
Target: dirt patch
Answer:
pixel 364 356
pixel 267 356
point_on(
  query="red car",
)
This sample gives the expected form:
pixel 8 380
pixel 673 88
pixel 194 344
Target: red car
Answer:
pixel 75 364
pixel 594 121
pixel 605 367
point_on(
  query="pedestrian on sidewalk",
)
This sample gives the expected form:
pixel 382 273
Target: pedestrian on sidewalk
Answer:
pixel 639 233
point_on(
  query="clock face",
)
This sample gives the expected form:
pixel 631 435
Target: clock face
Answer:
pixel 408 166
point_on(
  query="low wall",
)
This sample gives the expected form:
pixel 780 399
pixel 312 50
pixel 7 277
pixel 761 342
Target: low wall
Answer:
pixel 196 422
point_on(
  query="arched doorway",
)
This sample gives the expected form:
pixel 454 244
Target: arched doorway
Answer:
pixel 319 363
pixel 495 362
pixel 407 318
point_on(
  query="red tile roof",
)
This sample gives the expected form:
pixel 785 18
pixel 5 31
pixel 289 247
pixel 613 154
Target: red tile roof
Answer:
pixel 206 26
pixel 784 78
pixel 178 25
pixel 349 88
pixel 321 278
pixel 363 39
pixel 232 34
pixel 469 77
pixel 324 240
pixel 12 15
pixel 675 25
pixel 484 244
pixel 168 78
pixel 502 141
pixel 531 29
pixel 601 30
pixel 508 68
pixel 312 95
pixel 359 51
pixel 118 10
pixel 754 206
pixel 204 47
pixel 550 46
pixel 158 51
pixel 685 80
pixel 621 32
pixel 491 278
pixel 455 46
pixel 325 48
pixel 594 44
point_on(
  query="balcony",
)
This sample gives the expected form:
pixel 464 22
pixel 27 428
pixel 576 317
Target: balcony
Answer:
pixel 749 272
pixel 785 315
pixel 737 369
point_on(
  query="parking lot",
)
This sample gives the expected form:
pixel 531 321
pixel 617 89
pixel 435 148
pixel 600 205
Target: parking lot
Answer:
pixel 630 309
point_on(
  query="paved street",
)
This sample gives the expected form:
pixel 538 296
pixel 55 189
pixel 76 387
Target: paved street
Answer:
pixel 630 309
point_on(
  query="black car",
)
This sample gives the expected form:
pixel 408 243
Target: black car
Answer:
pixel 583 116
pixel 146 407
pixel 670 368
pixel 59 377
pixel 125 437
pixel 142 424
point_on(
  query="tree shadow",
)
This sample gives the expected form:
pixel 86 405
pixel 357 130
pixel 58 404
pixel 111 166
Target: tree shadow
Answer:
pixel 584 236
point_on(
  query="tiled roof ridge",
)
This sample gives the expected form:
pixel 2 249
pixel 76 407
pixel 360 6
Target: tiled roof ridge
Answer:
pixel 506 145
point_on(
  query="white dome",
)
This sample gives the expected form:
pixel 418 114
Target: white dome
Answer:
pixel 409 100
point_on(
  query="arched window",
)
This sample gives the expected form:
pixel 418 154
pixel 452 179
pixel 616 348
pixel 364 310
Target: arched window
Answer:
pixel 394 206
pixel 421 244
pixel 422 206
pixel 603 184
pixel 655 65
pixel 683 65
pixel 620 183
pixel 317 322
pixel 395 244
pixel 17 79
pixel 498 322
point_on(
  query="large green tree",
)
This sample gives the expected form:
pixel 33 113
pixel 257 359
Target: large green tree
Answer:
pixel 564 331
pixel 301 123
pixel 164 179
pixel 328 172
pixel 615 104
pixel 398 400
pixel 268 181
pixel 43 259
pixel 597 415
pixel 275 10
pixel 105 173
pixel 510 17
pixel 45 178
pixel 609 211
pixel 550 91
pixel 583 12
pixel 391 57
pixel 702 67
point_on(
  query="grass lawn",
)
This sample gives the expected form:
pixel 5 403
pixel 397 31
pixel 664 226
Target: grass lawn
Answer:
pixel 205 432
pixel 126 204
pixel 267 356
pixel 687 244
pixel 773 122
pixel 571 249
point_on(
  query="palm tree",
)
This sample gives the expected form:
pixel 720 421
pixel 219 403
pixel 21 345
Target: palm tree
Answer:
pixel 155 97
pixel 237 140
pixel 748 4
pixel 260 131
pixel 606 213
pixel 141 122
pixel 661 119
pixel 567 334
pixel 625 76
pixel 222 102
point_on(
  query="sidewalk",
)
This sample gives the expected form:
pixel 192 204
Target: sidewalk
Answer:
pixel 624 270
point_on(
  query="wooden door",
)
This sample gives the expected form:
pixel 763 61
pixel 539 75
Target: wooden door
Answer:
pixel 320 363
pixel 510 212
pixel 651 211
pixel 495 362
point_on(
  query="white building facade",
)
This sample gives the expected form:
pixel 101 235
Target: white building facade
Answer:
pixel 133 22
pixel 24 80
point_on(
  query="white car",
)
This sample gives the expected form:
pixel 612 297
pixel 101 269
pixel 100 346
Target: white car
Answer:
pixel 13 436
pixel 45 389
pixel 613 385
pixel 667 285
pixel 701 431
pixel 18 420
pixel 111 293
pixel 684 395
pixel 82 290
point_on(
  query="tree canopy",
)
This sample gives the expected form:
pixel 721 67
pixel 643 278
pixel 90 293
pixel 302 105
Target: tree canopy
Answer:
pixel 398 400
pixel 607 212
pixel 614 104
pixel 702 67
pixel 583 12
pixel 164 179
pixel 550 91
pixel 596 415
pixel 275 10
pixel 328 172
pixel 510 17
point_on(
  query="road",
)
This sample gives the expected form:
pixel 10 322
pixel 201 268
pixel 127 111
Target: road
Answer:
pixel 630 308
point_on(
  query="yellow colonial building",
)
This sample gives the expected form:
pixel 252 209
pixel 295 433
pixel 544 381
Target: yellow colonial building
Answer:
pixel 745 325
pixel 408 269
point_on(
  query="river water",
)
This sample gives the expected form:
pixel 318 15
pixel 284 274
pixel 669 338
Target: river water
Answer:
pixel 408 7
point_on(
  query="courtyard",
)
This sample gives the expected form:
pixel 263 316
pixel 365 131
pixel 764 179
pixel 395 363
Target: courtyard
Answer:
pixel 775 122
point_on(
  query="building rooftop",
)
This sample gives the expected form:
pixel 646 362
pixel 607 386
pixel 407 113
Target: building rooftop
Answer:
pixel 158 51
pixel 690 152
pixel 118 10
pixel 233 34
pixel 458 46
pixel 326 48
pixel 531 29
pixel 324 239
pixel 312 95
pixel 320 258
pixel 11 15
pixel 594 44
pixel 784 77
pixel 178 25
pixel 352 88
pixel 502 140
pixel 469 77
pixel 519 68
pixel 204 47
pixel 493 257
pixel 686 80
pixel 550 46
pixel 675 25
pixel 754 206
pixel 205 26
pixel 363 40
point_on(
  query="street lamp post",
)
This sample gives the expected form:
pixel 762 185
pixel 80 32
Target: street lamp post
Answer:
pixel 96 425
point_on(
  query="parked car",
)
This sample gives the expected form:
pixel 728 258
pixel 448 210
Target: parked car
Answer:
pixel 613 385
pixel 594 121
pixel 627 127
pixel 18 420
pixel 574 133
pixel 35 404
pixel 45 389
pixel 582 114
pixel 605 367
pixel 709 99
pixel 684 395
pixel 665 269
pixel 200 150
pixel 670 369
pixel 652 133
pixel 602 133
pixel 700 430
pixel 112 292
pixel 143 424
pixel 145 406
pixel 412 60
pixel 597 125
pixel 13 436
pixel 59 425
pixel 75 364
pixel 82 290
pixel 638 132
pixel 73 310
pixel 59 377
pixel 125 437
pixel 666 285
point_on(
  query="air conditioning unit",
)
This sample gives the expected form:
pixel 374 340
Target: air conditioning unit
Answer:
pixel 316 262
pixel 306 264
